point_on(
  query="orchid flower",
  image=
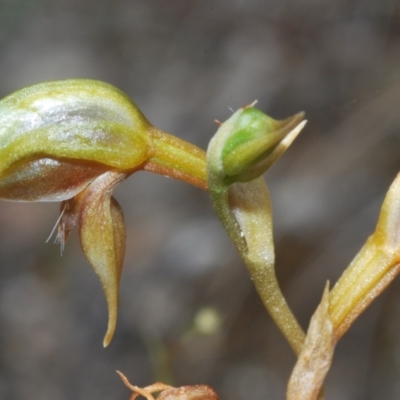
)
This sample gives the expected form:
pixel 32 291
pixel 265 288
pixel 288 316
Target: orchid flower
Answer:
pixel 73 141
pixel 243 148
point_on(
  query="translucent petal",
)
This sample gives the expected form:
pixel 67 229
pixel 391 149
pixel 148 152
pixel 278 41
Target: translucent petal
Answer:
pixel 47 179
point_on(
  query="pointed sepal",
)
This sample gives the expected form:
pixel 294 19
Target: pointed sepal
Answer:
pixel 102 235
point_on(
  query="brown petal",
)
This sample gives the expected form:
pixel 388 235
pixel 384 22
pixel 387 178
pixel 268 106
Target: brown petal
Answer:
pixel 47 179
pixel 102 233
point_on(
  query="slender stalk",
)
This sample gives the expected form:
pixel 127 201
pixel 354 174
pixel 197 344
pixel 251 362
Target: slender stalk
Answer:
pixel 245 212
pixel 175 158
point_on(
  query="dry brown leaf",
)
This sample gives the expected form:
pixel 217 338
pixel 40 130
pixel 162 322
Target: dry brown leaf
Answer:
pixel 194 392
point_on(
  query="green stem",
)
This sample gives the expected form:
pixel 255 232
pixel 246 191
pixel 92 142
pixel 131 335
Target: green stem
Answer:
pixel 267 286
pixel 175 158
pixel 245 212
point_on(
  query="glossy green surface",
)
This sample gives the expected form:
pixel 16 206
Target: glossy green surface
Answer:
pixel 86 124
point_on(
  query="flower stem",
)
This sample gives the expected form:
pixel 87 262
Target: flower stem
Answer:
pixel 245 212
pixel 241 200
pixel 175 158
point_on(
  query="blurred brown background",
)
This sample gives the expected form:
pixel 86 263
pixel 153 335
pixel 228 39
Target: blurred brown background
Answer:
pixel 186 63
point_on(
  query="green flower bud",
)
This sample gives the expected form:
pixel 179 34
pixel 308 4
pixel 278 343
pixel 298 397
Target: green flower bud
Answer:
pixel 243 148
pixel 253 141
